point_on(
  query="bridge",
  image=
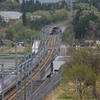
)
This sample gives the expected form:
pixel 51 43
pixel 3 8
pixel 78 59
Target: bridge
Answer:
pixel 20 82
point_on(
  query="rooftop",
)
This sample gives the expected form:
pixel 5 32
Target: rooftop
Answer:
pixel 10 14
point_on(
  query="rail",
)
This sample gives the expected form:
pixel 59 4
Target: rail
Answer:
pixel 31 69
pixel 12 95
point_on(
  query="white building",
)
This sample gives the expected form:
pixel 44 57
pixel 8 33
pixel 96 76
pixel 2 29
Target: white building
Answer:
pixel 10 16
pixel 98 42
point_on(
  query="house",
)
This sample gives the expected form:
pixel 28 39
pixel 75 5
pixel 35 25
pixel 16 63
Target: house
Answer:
pixel 97 42
pixel 2 42
pixel 89 41
pixel 18 42
pixel 10 16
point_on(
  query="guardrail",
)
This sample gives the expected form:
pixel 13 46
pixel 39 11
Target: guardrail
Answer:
pixel 50 89
pixel 46 87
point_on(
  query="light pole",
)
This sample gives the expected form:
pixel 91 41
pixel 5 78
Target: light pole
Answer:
pixel 16 71
pixel 2 81
pixel 31 64
pixel 25 72
pixel 21 78
pixel 38 58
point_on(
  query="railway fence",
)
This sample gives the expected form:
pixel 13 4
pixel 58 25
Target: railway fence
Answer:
pixel 28 70
pixel 46 87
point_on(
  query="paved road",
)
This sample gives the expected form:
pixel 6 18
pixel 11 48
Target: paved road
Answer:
pixel 8 63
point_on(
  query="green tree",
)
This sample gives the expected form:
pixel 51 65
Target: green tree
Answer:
pixel 82 73
pixel 24 19
pixel 9 34
pixel 92 60
pixel 82 24
pixel 17 1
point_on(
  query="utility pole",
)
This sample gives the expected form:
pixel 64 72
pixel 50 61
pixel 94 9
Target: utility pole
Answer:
pixel 28 66
pixel 2 81
pixel 21 78
pixel 16 70
pixel 31 64
pixel 71 6
pixel 25 72
pixel 38 58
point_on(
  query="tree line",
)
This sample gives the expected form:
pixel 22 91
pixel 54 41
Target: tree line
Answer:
pixel 82 24
pixel 31 22
pixel 95 3
pixel 38 19
pixel 31 6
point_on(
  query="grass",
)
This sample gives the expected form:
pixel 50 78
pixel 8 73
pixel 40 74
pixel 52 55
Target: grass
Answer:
pixel 11 54
pixel 67 91
pixel 68 97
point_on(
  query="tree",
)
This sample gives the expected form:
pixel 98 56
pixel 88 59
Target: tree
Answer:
pixel 82 73
pixel 91 59
pixel 9 34
pixel 82 24
pixel 17 1
pixel 24 19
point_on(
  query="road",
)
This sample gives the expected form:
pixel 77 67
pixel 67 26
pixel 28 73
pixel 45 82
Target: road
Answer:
pixel 8 63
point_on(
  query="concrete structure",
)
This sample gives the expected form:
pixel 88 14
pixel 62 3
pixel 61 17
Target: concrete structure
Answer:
pixel 10 16
pixel 35 46
pixel 58 62
pixel 63 50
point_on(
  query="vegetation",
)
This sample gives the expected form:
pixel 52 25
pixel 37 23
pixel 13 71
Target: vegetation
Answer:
pixel 92 2
pixel 31 23
pixel 9 34
pixel 31 6
pixel 86 22
pixel 85 25
pixel 81 73
pixel 84 72
pixel 82 24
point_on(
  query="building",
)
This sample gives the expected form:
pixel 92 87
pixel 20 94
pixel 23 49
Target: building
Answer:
pixel 97 42
pixel 10 16
pixel 18 42
pixel 2 43
pixel 63 50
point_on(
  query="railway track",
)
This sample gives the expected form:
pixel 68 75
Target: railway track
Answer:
pixel 51 43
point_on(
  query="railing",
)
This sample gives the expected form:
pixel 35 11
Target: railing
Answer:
pixel 46 87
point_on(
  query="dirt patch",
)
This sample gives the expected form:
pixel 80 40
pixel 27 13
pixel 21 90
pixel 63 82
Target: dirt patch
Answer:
pixel 12 50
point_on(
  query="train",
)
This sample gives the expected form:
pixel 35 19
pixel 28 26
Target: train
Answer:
pixel 55 30
pixel 9 81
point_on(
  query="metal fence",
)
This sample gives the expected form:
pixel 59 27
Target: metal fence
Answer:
pixel 46 87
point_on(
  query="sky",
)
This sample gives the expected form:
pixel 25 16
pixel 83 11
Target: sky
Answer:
pixel 46 1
